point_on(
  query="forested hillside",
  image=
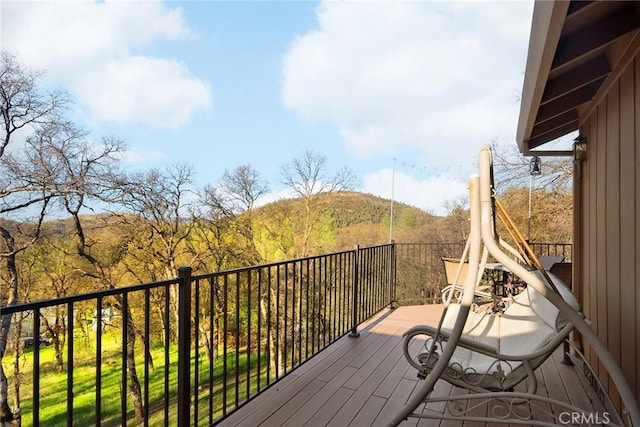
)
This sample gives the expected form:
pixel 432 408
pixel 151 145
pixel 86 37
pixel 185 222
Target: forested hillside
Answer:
pixel 132 249
pixel 128 249
pixel 135 249
pixel 340 221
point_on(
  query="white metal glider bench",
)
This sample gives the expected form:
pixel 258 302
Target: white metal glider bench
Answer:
pixel 496 352
pixel 489 354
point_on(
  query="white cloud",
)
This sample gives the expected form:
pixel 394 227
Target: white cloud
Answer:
pixel 94 49
pixel 122 91
pixel 431 194
pixel 442 77
pixel 274 196
pixel 142 155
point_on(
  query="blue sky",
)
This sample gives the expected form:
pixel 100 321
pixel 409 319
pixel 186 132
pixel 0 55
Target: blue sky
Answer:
pixel 219 84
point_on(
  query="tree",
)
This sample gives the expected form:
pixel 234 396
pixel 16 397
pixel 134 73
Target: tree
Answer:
pixel 228 210
pixel 160 202
pixel 54 260
pixel 551 214
pixel 225 229
pixel 26 190
pixel 55 166
pixel 27 272
pixel 308 176
pixel 92 173
pixel 458 219
pixel 242 188
pixel 551 200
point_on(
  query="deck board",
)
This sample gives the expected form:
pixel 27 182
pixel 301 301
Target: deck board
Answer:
pixel 364 381
pixel 329 411
pixel 369 412
pixel 397 399
pixel 305 412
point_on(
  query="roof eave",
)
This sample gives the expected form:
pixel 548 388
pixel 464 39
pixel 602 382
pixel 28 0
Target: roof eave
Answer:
pixel 546 28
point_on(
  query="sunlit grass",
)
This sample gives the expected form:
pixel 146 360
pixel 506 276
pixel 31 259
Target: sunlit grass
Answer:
pixel 53 384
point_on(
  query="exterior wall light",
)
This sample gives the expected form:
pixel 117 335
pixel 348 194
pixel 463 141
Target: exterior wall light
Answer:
pixel 580 148
pixel 534 166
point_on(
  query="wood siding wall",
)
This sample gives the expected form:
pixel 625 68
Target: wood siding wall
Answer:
pixel 609 268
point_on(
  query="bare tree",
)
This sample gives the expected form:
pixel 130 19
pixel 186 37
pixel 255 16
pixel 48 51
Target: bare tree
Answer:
pixel 228 231
pixel 26 192
pixel 160 202
pixel 227 210
pixel 458 214
pixel 21 104
pixel 160 199
pixel 77 171
pixel 242 188
pixel 542 204
pixel 308 176
pixel 90 171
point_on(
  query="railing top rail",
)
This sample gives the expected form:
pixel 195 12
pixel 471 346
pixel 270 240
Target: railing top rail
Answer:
pixel 375 246
pixel 27 306
pixel 277 263
pixel 551 243
pixel 429 243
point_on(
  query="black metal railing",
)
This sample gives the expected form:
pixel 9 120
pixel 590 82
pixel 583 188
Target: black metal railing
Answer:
pixel 553 249
pixel 192 350
pixel 419 271
pixel 103 328
pixel 274 317
pixel 420 274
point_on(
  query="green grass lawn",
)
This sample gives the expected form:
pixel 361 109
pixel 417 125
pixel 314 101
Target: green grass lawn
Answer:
pixel 53 384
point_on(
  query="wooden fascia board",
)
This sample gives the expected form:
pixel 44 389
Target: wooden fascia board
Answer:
pixel 548 19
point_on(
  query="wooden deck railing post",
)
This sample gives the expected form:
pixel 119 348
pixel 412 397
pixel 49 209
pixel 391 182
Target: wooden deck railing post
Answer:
pixel 184 346
pixel 355 279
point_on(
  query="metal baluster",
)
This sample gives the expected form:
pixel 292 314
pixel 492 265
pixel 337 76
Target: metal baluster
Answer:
pixel 184 346
pixel 36 366
pixel 147 350
pixel 99 322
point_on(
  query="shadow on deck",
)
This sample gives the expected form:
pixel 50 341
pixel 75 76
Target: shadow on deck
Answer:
pixel 364 381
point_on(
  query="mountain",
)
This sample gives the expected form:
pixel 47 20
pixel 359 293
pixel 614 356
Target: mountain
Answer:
pixel 292 228
pixel 343 219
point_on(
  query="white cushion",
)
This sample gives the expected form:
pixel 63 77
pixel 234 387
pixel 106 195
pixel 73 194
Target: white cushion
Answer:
pixel 522 329
pixel 528 323
pixel 482 328
pixel 548 311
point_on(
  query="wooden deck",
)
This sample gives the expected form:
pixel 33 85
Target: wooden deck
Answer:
pixel 364 381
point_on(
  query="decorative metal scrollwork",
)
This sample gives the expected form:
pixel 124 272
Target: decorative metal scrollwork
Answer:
pixel 458 372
